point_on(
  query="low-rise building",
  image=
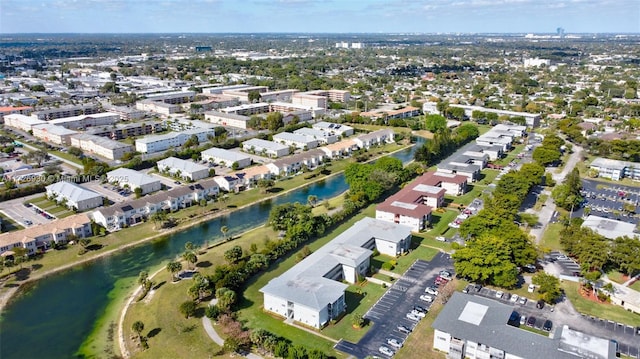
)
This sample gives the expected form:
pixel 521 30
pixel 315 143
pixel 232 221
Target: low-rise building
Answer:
pixel 340 149
pixel 406 112
pixel 293 164
pixel 265 148
pixel 226 158
pixel 322 137
pixel 374 138
pixel 227 119
pixel 74 196
pixel 101 146
pixel 66 111
pixel 250 176
pixel 610 228
pixel 53 134
pixel 126 130
pixel 471 326
pixel 22 122
pixel 615 170
pixel 334 128
pixel 312 292
pixel 247 109
pixel 158 107
pixel 21 110
pixel 157 143
pixel 454 185
pixel 134 179
pixel 229 183
pixel 468 170
pixel 532 119
pixel 184 169
pixel 131 212
pixel 42 236
pixel 83 122
pixel 296 140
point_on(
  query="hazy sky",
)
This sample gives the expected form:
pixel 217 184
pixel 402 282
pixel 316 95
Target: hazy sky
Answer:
pixel 425 16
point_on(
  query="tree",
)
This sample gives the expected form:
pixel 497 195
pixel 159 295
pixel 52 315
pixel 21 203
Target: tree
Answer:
pixel 138 327
pixel 188 309
pixel 624 254
pixel 274 121
pixel 254 96
pixel 226 298
pixel 233 254
pixel 174 267
pixel 549 287
pixel 487 260
pixel 435 123
pixel 312 200
pixel 357 320
pixel 265 184
pixel 545 156
pixel 159 216
pixel 190 257
pixel 143 277
pixel 138 192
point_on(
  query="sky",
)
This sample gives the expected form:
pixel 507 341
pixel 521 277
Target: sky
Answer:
pixel 319 16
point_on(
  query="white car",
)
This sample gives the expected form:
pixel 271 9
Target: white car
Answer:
pixel 431 290
pixel 413 317
pixel 418 313
pixel 523 319
pixel 514 298
pixel 426 298
pixel 499 294
pixel 523 300
pixel 394 343
pixel 386 351
pixel 445 274
pixel 531 288
pixel 441 239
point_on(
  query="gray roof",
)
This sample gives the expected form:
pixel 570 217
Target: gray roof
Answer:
pixel 182 165
pixel 232 156
pixel 293 137
pixel 483 320
pixel 270 145
pixel 311 132
pixel 102 141
pixel 610 164
pixel 130 176
pixel 56 130
pixel 72 191
pixel 375 134
pixel 305 283
pixel 609 228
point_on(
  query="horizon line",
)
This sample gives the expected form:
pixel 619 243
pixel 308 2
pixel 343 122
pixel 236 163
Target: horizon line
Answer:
pixel 320 33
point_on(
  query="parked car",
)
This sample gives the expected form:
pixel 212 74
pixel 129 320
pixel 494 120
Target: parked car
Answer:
pixel 513 318
pixel 466 289
pixel 419 313
pixel 445 274
pixel 547 325
pixel 394 343
pixel 477 287
pixel 441 239
pixel 412 316
pixel 531 321
pixel 514 298
pixel 523 319
pixel 386 351
pixel 540 304
pixel 499 294
pixel 420 309
pixel 427 298
pixel 441 280
pixel 531 288
pixel 523 300
pixel 404 329
pixel 431 290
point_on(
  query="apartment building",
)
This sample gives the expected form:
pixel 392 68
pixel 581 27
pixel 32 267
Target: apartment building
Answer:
pixel 247 109
pixel 134 179
pixel 225 157
pixel 265 148
pixel 53 134
pixel 307 100
pixel 82 122
pixel 476 327
pixel 22 122
pixel 66 111
pixel 340 149
pixel 374 138
pixel 126 113
pixel 74 196
pixel 176 97
pixel 532 119
pixel 333 95
pixel 304 113
pixel 227 119
pixel 406 112
pixel 21 110
pixel 615 169
pixel 293 164
pixel 296 140
pixel 454 185
pixel 122 131
pixel 101 146
pixel 184 169
pixel 40 237
pixel 312 292
pixel 131 212
pixel 159 107
pixel 322 137
pixel 334 128
pixel 157 143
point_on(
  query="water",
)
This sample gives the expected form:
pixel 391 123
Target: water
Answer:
pixel 52 318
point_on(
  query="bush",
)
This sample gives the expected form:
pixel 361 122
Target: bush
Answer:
pixel 387 265
pixel 212 312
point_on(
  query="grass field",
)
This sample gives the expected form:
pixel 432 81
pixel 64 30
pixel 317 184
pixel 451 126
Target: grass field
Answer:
pixel 616 276
pixel 9 225
pixel 635 286
pixel 440 222
pixel 551 237
pixel 600 310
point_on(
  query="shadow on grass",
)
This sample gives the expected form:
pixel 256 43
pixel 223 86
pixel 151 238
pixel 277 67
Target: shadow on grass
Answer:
pixel 204 264
pixel 275 190
pixel 153 332
pixel 94 247
pixel 159 285
pixel 22 274
pixel 200 312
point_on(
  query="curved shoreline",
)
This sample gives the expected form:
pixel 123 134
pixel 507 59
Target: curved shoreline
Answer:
pixel 8 294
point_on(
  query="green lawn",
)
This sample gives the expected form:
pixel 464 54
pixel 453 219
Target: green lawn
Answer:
pixel 600 310
pixel 635 286
pixel 440 222
pixel 551 237
pixel 429 240
pixel 9 225
pixel 616 276
pixel 540 201
pixel 510 156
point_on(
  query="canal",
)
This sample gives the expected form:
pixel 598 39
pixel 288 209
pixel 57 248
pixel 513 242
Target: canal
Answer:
pixel 52 317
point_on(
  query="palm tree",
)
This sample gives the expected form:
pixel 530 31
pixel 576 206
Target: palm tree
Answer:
pixel 312 200
pixel 224 230
pixel 174 267
pixel 190 257
pixel 138 327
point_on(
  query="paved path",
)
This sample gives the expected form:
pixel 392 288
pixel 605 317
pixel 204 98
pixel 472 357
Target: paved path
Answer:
pixel 70 163
pixel 631 280
pixel 208 327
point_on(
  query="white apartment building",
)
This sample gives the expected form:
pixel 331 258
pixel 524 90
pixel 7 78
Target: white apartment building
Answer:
pixel 74 196
pixel 334 128
pixel 22 122
pixel 322 137
pixel 53 134
pixel 184 169
pixel 247 109
pixel 134 179
pixel 308 100
pixel 296 140
pixel 101 146
pixel 83 121
pixel 225 157
pixel 374 138
pixel 265 148
pixel 157 143
pixel 227 119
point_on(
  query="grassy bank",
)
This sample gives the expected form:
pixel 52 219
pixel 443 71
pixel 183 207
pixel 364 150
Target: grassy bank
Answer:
pixel 600 310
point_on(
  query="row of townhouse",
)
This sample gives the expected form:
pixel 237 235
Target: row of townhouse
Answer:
pixel 135 211
pixel 413 204
pixel 187 170
pixel 74 196
pixel 40 237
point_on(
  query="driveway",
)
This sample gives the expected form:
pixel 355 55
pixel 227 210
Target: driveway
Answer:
pixel 391 309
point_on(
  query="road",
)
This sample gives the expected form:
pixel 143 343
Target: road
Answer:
pixel 70 163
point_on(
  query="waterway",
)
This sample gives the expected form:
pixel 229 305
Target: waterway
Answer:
pixel 52 317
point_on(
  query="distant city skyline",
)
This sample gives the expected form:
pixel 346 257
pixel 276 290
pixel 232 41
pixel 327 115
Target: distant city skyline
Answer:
pixel 315 16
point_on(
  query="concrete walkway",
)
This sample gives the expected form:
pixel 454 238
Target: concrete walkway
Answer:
pixel 390 274
pixel 291 323
pixel 208 326
pixel 378 281
pixel 631 280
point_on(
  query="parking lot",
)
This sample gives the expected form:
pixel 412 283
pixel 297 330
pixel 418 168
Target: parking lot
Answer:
pixel 565 265
pixel 628 337
pixel 391 309
pixel 106 190
pixel 609 200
